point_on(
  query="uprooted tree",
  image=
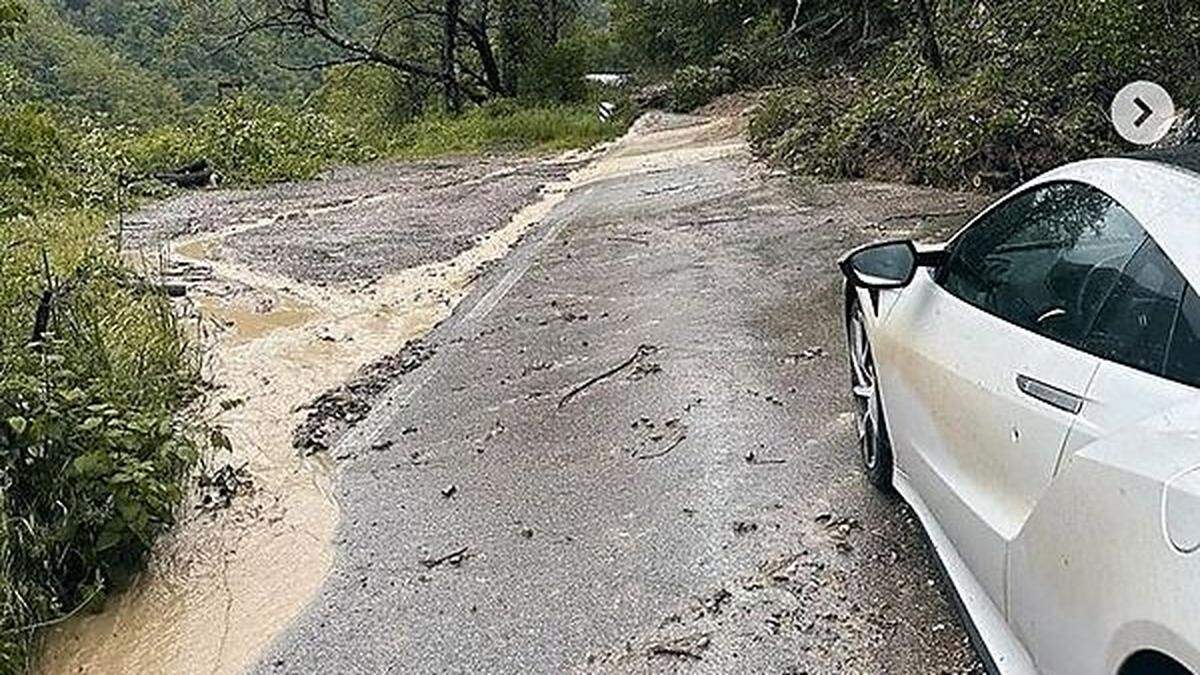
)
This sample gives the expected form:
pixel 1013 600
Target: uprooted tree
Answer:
pixel 469 49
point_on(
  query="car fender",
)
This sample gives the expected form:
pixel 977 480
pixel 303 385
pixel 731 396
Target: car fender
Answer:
pixel 1093 575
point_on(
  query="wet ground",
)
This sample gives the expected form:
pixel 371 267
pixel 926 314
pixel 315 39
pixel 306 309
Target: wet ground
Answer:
pixel 295 289
pixel 624 445
pixel 633 450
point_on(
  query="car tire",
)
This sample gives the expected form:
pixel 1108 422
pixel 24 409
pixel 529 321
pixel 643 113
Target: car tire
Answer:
pixel 875 448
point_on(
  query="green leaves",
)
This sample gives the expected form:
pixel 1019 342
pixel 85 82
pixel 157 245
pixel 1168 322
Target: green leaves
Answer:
pixel 92 459
pixel 12 15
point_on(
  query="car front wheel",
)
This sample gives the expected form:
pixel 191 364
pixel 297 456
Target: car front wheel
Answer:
pixel 874 445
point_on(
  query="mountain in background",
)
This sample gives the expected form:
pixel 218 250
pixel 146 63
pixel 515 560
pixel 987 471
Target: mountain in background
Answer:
pixel 146 60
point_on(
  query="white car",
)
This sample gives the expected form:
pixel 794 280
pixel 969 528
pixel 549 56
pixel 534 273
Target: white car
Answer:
pixel 1032 390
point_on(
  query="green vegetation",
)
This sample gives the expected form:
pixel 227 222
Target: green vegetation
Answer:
pixel 500 126
pixel 94 367
pixel 956 92
pixel 96 370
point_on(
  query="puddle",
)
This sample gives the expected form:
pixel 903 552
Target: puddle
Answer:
pixel 247 324
pixel 224 584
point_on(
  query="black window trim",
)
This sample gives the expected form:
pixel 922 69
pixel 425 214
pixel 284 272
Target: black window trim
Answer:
pixel 951 247
pixel 952 244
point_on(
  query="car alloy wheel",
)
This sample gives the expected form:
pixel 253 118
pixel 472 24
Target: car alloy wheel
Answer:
pixel 872 430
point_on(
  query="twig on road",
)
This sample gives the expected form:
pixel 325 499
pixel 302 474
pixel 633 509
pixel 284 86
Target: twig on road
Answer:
pixel 753 458
pixel 687 647
pixel 664 451
pixel 632 240
pixel 453 557
pixel 642 350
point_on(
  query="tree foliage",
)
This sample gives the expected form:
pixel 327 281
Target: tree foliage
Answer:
pixel 472 50
pixel 948 92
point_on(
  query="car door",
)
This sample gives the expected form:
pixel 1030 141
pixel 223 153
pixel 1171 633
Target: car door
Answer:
pixel 1147 334
pixel 1143 339
pixel 984 378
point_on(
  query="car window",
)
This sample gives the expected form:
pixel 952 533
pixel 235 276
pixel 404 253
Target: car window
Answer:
pixel 1135 323
pixel 1183 358
pixel 1045 259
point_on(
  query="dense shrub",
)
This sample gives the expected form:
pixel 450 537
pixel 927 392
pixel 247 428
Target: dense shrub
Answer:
pixel 93 369
pixel 248 142
pixel 556 75
pixel 1026 86
pixel 693 86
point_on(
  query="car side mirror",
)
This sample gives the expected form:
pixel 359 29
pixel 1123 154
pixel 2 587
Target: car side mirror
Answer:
pixel 889 264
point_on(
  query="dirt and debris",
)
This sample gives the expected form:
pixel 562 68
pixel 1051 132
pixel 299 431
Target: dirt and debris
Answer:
pixel 809 354
pixel 688 646
pixel 298 287
pixel 355 224
pixel 338 409
pixel 656 439
pixel 219 487
pixel 736 276
pixel 752 457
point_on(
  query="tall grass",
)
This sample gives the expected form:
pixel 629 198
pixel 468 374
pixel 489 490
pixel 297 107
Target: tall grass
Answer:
pixel 503 127
pixel 94 367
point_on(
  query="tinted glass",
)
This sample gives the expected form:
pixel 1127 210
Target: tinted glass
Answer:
pixel 1183 360
pixel 1045 259
pixel 885 263
pixel 1134 325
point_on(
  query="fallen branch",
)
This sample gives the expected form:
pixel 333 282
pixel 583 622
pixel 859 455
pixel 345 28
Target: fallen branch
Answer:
pixel 454 557
pixel 666 450
pixel 687 647
pixel 642 350
pixel 632 240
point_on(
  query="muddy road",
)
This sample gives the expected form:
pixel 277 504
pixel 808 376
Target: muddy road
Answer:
pixel 623 443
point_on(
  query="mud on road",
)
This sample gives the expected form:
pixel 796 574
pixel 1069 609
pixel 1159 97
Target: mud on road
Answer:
pixel 306 296
pixel 628 449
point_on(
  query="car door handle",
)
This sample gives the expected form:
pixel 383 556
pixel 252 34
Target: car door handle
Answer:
pixel 1049 394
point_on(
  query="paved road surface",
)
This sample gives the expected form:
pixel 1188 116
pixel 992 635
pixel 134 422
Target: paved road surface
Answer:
pixel 633 450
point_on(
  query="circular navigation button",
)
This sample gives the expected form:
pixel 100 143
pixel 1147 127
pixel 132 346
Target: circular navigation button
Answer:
pixel 1143 112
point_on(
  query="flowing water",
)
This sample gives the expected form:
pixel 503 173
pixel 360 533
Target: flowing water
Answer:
pixel 226 582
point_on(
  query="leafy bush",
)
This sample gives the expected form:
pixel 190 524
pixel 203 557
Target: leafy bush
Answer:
pixel 693 86
pixel 255 142
pixel 1026 86
pixel 93 369
pixel 247 141
pixel 556 76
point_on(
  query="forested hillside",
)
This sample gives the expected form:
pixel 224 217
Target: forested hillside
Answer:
pixel 145 60
pixel 981 93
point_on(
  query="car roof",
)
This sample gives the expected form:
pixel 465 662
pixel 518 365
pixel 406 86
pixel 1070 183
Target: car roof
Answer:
pixel 1164 196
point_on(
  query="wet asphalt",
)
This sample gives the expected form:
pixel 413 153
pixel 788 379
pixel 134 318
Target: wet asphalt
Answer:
pixel 633 451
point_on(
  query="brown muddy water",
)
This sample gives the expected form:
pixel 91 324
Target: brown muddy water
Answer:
pixel 226 582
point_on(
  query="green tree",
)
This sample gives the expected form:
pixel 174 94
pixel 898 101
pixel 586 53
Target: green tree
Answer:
pixel 12 14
